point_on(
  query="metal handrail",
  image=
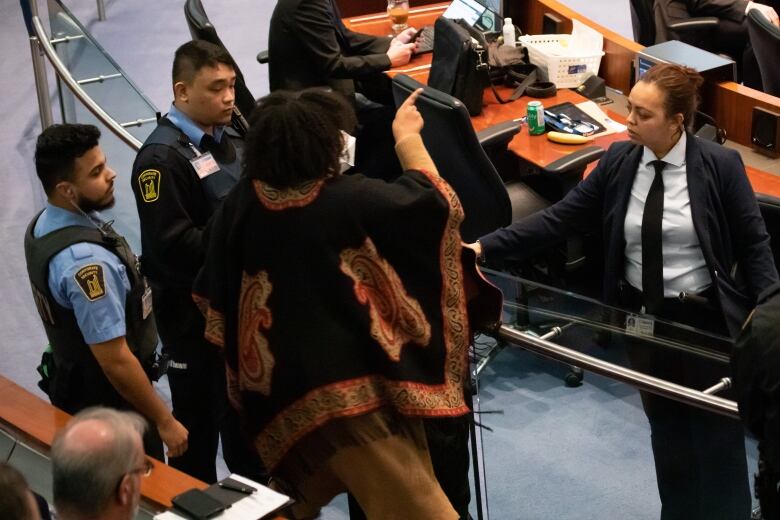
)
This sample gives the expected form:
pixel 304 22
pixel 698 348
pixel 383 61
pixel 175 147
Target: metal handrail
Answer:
pixel 626 375
pixel 73 85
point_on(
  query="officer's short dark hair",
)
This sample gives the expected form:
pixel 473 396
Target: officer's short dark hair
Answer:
pixel 196 54
pixel 296 136
pixel 58 147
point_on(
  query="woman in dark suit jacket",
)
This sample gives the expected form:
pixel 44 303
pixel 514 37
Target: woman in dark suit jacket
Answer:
pixel 689 224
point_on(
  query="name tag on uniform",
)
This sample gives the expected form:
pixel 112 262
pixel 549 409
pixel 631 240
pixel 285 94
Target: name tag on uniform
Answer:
pixel 205 165
pixel 146 303
pixel 639 325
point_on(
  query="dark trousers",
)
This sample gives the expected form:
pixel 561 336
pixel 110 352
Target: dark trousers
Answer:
pixel 700 460
pixel 199 395
pixel 153 446
pixel 199 391
pixel 448 446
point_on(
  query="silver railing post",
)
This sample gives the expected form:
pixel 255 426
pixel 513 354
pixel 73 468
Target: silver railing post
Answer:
pixel 41 81
pixel 101 7
pixel 39 70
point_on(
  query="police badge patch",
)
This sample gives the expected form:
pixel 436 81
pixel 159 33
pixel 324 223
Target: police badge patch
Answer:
pixel 90 279
pixel 149 182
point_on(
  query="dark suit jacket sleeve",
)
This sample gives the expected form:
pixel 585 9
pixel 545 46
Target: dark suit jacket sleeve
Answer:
pixel 318 39
pixel 751 240
pixel 579 211
pixel 365 44
pixel 728 9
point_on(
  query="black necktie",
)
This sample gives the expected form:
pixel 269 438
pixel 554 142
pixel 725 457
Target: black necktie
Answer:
pixel 208 143
pixel 652 258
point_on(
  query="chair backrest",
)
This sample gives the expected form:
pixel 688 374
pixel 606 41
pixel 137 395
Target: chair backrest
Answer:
pixel 765 39
pixel 643 21
pixel 459 157
pixel 201 28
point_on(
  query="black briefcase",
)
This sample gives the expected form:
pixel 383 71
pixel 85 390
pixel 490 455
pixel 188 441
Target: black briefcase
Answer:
pixel 460 64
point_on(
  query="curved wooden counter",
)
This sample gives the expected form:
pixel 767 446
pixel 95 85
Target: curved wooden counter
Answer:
pixel 34 422
pixel 730 103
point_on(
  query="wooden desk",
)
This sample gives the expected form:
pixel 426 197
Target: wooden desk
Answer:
pixel 360 7
pixel 729 103
pixel 534 149
pixel 616 67
pixel 34 422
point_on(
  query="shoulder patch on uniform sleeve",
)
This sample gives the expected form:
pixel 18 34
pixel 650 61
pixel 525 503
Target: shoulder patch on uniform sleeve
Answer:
pixel 149 184
pixel 91 281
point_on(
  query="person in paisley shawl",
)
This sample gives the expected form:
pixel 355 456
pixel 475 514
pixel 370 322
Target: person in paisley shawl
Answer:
pixel 339 303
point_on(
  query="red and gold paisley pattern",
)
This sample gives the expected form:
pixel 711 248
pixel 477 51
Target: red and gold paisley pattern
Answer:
pixel 396 317
pixel 215 321
pixel 361 395
pixel 256 362
pixel 297 197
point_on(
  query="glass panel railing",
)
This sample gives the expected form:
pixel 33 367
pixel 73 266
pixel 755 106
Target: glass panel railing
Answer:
pixel 560 449
pixel 99 75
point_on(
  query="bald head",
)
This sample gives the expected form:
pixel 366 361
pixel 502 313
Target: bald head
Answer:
pixel 90 458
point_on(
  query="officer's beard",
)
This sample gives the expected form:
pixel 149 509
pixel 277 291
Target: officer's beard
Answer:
pixel 87 206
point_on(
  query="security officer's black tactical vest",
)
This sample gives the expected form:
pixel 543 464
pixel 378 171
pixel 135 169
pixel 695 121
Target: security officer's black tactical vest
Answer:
pixel 78 381
pixel 227 153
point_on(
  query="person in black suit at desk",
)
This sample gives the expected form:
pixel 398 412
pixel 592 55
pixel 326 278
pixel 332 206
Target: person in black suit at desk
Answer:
pixel 309 46
pixel 730 37
pixel 677 214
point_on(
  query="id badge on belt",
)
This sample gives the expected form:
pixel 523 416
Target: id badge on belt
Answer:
pixel 637 325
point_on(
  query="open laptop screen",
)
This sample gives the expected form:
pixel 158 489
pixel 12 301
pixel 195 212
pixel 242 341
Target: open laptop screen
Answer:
pixel 476 14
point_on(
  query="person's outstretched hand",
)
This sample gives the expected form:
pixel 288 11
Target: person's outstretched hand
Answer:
pixel 408 120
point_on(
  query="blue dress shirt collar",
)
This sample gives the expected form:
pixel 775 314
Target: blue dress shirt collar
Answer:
pixel 190 128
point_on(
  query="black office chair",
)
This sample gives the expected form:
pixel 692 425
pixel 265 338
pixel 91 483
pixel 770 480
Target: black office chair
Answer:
pixel 461 160
pixel 765 39
pixel 201 28
pixel 643 22
pixel 459 154
pixel 693 31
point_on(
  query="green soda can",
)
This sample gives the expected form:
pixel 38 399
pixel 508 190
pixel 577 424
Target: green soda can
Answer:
pixel 535 118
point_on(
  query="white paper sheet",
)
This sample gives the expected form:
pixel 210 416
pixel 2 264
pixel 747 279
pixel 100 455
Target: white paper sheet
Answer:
pixel 594 111
pixel 254 506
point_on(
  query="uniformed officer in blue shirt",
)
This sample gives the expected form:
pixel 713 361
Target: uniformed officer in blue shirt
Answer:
pixel 95 305
pixel 184 169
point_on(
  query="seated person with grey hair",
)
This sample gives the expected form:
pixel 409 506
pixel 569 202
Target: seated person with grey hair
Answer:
pixel 98 462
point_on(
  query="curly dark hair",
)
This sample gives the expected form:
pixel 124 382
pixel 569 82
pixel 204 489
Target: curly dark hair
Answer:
pixel 13 494
pixel 296 136
pixel 57 149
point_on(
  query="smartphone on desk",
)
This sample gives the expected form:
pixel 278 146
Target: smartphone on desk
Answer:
pixel 235 485
pixel 197 504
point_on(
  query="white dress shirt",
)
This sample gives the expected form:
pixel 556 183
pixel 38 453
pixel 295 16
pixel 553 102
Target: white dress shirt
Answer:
pixel 684 267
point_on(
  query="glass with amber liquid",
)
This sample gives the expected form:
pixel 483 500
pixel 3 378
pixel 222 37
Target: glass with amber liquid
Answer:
pixel 398 11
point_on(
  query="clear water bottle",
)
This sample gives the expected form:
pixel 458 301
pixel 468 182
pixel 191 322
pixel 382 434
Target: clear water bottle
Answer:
pixel 509 32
